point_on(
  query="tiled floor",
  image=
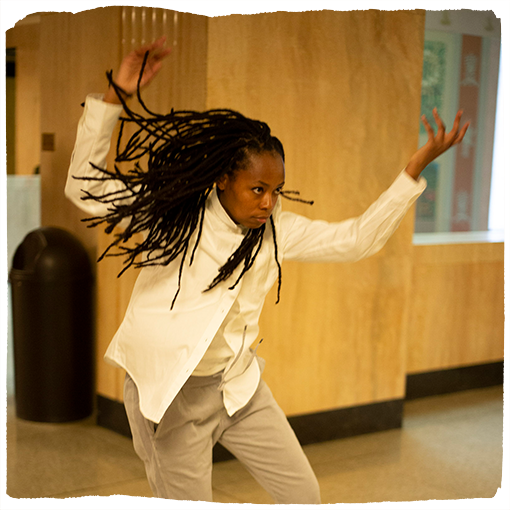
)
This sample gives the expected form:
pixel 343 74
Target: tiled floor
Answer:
pixel 449 448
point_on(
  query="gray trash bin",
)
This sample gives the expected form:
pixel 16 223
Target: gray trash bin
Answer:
pixel 51 288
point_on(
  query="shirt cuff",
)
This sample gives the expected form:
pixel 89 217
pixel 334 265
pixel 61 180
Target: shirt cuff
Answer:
pixel 407 187
pixel 99 113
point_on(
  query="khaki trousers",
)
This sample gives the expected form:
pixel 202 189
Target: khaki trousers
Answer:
pixel 177 452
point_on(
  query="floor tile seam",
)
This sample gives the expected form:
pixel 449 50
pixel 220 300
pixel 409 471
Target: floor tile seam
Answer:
pixel 377 462
pixel 457 418
pixel 228 495
pixel 368 445
pixel 444 493
pixel 86 461
pixel 450 408
pixel 90 439
pixel 30 434
pixel 69 494
pixel 352 457
pixel 114 442
pixel 372 468
pixel 113 452
pixel 442 486
pixel 386 501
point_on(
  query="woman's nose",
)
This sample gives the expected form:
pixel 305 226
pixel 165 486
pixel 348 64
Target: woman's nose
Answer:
pixel 267 203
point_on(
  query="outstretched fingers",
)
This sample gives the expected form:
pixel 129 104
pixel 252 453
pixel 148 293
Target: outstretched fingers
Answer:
pixel 436 144
pixel 157 52
pixel 439 123
pixel 428 127
pixel 461 133
pixel 430 130
pixel 453 137
pixel 154 46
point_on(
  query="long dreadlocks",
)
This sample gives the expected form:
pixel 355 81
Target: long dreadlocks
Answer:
pixel 186 153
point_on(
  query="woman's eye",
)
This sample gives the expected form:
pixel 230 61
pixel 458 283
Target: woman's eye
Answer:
pixel 258 190
pixel 278 191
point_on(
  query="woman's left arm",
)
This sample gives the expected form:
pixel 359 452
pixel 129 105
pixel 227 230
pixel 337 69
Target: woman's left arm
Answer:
pixel 436 144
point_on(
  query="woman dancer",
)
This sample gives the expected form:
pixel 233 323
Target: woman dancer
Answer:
pixel 209 206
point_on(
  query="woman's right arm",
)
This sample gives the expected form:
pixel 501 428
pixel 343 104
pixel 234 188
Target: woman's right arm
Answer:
pixel 96 127
pixel 92 144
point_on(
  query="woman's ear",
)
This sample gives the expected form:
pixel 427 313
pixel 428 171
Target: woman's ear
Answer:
pixel 221 183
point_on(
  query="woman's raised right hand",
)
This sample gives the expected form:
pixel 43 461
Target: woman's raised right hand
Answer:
pixel 129 71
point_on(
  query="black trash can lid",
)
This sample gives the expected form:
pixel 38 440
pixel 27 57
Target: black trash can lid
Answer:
pixel 50 254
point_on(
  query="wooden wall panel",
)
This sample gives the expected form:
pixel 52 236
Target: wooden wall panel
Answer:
pixel 456 311
pixel 342 91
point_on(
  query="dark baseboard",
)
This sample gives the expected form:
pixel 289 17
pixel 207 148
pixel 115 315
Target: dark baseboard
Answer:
pixel 338 423
pixel 345 422
pixel 111 414
pixel 456 379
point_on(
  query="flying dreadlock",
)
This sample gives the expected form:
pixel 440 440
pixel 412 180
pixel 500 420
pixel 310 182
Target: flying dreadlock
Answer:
pixel 187 152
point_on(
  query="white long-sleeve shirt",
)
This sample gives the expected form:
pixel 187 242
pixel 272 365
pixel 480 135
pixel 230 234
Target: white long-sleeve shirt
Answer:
pixel 160 348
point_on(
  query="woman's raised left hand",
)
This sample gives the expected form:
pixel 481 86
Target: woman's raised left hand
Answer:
pixel 437 143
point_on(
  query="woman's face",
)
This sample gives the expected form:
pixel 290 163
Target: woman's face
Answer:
pixel 249 196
